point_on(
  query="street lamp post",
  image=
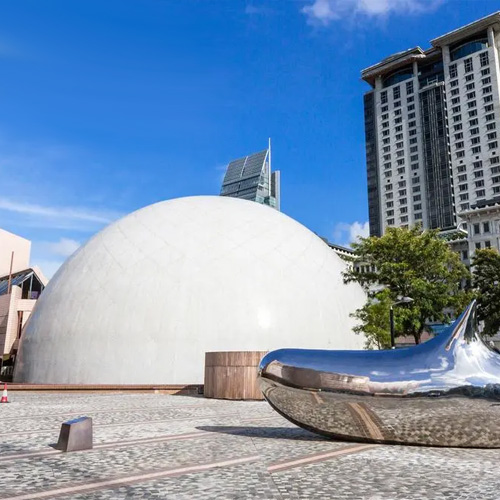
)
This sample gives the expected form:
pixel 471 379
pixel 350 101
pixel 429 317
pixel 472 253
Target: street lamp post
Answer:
pixel 403 300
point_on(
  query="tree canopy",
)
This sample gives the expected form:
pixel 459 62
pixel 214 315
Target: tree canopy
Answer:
pixel 408 263
pixel 486 281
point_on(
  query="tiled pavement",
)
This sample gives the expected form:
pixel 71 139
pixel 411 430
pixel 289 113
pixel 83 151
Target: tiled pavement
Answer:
pixel 179 447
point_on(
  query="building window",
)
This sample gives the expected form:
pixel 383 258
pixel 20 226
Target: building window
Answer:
pixel 459 136
pixel 487 244
pixel 485 71
pixel 470 86
pixel 456 109
pixel 457 127
pixel 390 222
pixel 409 87
pixel 455 92
pixel 471 95
pixel 491 135
pixel 475 140
pixel 468 67
pixel 384 109
pixel 477 229
pixel 459 145
pixel 453 71
pixel 464 206
pixel 462 187
pixel 473 123
pixel 477 164
pixel 474 131
pixel 404 218
pixel 397 104
pixel 383 97
pixel 476 150
pixel 481 193
pixel 385 132
pixel 416 189
pixel 418 216
pixel 478 174
pixel 487 90
pixel 464 197
pixel 493 145
pixel 484 59
pixel 411 107
pixel 396 92
pixel 465 254
pixel 461 168
pixel 462 178
pixel 496 179
pixel 454 83
pixel 413 140
pixel 410 99
pixel 404 210
pixel 478 246
pixel 399 128
pixel 455 100
pixel 469 78
pixel 496 189
pixel 488 98
pixel 460 154
pixel 417 207
pixel 486 227
pixel 398 119
pixel 486 80
pixel 494 160
pixel 488 108
pixel 471 104
pixel 399 137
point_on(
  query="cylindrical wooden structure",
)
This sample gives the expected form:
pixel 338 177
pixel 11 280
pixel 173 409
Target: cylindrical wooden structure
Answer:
pixel 232 375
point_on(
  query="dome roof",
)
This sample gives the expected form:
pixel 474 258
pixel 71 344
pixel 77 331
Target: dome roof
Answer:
pixel 143 300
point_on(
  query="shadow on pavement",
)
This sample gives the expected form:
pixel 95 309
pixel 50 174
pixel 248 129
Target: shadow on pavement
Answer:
pixel 264 432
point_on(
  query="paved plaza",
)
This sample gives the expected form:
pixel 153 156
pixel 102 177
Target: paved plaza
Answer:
pixel 156 446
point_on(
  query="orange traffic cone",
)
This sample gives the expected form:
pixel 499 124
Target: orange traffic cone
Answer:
pixel 4 399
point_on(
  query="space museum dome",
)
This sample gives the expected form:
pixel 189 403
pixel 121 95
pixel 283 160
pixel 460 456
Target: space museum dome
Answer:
pixel 144 299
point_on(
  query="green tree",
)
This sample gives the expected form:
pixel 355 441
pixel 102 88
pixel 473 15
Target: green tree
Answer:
pixel 374 320
pixel 486 281
pixel 409 263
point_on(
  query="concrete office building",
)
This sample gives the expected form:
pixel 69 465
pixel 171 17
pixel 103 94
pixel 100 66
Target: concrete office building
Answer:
pixel 251 178
pixel 431 124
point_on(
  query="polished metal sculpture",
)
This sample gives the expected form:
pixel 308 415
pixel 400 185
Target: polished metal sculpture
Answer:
pixel 445 392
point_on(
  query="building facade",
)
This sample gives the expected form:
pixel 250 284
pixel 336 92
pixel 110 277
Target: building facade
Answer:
pixel 20 287
pixel 251 178
pixel 431 124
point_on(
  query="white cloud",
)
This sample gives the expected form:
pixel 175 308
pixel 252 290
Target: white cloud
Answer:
pixel 326 11
pixel 64 247
pixel 345 234
pixel 61 217
pixel 253 10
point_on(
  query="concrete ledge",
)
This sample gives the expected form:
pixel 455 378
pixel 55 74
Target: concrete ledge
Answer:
pixel 157 388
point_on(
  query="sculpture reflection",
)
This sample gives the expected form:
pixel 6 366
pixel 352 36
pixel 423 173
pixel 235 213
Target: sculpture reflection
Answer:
pixel 445 392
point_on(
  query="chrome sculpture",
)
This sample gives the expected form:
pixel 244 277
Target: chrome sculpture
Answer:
pixel 445 392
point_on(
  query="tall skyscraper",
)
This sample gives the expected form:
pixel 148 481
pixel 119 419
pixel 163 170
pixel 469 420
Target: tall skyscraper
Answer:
pixel 251 178
pixel 431 124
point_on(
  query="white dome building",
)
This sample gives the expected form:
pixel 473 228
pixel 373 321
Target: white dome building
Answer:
pixel 145 298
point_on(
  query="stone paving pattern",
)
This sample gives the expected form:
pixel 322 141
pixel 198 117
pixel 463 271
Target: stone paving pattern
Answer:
pixel 226 430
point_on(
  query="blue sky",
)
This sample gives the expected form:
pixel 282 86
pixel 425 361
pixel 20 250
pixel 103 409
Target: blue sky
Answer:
pixel 108 106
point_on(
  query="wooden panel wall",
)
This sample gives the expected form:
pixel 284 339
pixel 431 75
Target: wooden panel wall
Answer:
pixel 232 375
